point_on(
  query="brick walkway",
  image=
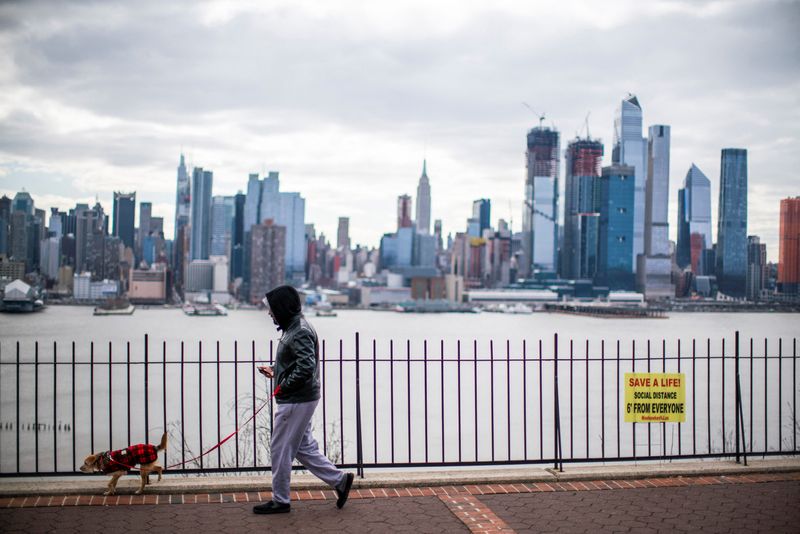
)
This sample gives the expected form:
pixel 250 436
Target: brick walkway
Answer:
pixel 716 504
pixel 768 507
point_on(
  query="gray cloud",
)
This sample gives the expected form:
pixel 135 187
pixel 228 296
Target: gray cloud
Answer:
pixel 347 97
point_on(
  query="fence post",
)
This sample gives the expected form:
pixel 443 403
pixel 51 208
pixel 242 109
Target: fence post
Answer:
pixel 146 389
pixel 73 407
pixel 359 458
pixel 739 414
pixel 559 464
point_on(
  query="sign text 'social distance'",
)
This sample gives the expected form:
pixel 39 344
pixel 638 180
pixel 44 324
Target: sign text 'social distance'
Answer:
pixel 655 398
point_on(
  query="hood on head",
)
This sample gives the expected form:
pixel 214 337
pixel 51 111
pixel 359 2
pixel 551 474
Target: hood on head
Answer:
pixel 284 301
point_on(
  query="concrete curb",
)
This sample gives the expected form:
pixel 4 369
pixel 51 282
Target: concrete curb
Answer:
pixel 718 468
pixel 95 485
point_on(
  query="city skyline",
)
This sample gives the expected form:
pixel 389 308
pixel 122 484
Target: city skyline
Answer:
pixel 435 95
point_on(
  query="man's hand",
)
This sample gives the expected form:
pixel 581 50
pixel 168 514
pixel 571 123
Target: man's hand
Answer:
pixel 266 370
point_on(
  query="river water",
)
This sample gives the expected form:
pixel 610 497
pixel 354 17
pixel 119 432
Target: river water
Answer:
pixel 496 403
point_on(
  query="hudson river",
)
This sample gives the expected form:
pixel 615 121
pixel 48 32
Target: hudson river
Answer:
pixel 412 411
pixel 76 323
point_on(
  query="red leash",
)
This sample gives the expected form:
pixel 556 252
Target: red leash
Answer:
pixel 275 392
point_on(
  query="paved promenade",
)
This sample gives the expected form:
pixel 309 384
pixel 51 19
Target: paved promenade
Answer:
pixel 760 500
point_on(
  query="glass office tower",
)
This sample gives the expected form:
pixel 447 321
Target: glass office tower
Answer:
pixel 200 242
pixel 614 200
pixel 694 222
pixel 732 223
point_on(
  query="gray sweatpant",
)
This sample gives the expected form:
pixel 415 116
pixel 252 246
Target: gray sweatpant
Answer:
pixel 291 438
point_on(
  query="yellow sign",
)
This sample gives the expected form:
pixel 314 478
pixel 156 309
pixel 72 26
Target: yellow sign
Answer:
pixel 655 398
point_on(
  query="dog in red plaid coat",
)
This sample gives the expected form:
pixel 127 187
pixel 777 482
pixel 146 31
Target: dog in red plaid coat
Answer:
pixel 122 461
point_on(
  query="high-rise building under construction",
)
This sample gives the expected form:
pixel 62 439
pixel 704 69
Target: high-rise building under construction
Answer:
pixel 540 210
pixel 584 159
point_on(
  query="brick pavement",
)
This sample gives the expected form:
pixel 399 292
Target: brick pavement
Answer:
pixel 766 507
pixel 763 502
pixel 409 514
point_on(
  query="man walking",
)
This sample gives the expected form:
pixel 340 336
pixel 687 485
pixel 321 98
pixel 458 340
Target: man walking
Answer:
pixel 296 373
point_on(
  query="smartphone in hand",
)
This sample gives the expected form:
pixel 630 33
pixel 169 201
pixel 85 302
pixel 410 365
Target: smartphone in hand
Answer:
pixel 266 370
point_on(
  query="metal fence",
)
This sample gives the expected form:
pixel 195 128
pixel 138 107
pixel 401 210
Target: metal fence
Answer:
pixel 395 404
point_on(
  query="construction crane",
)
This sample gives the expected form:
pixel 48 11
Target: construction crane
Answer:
pixel 584 127
pixel 586 121
pixel 540 115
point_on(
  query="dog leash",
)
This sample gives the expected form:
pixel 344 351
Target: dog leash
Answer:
pixel 275 392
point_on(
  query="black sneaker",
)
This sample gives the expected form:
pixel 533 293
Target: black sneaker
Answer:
pixel 272 507
pixel 343 493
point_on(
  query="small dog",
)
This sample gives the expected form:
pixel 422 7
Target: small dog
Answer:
pixel 120 462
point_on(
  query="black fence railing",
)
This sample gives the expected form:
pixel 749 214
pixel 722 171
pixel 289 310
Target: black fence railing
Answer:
pixel 546 402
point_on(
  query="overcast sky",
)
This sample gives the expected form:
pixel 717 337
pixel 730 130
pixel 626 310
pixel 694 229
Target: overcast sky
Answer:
pixel 345 99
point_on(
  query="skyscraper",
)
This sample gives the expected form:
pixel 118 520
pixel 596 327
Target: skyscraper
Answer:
pixel 789 258
pixel 343 234
pixel 19 239
pixel 615 192
pixel 694 222
pixel 70 222
pixel 145 214
pixel 200 243
pixel 287 209
pixel 397 250
pixel 237 243
pixel 5 207
pixel 584 160
pixel 22 238
pixel 222 213
pixel 5 221
pixel 756 267
pixel 23 202
pixel 82 220
pixel 183 214
pixel 252 204
pixel 111 258
pixel 49 257
pixel 55 225
pixel 482 210
pixel 124 213
pixel 292 216
pixel 183 198
pixel 267 259
pixel 540 212
pixel 250 217
pixel 732 223
pixel 24 231
pixel 424 202
pixel 654 266
pixel 38 232
pixel 630 148
pixel 587 236
pixel 90 240
pixel 404 212
pixel 270 204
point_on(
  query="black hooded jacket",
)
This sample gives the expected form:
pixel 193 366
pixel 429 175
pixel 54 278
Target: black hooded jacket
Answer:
pixel 296 361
